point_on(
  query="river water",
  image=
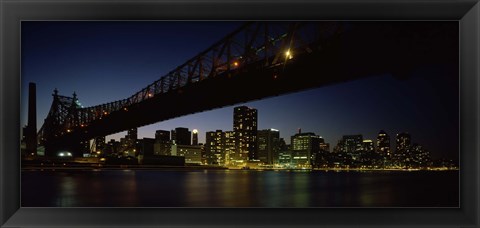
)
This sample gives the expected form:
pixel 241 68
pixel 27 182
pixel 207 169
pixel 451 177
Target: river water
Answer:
pixel 239 188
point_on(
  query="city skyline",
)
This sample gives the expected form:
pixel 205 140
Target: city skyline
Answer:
pixel 426 105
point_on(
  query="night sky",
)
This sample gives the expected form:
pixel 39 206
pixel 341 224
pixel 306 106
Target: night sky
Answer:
pixel 108 61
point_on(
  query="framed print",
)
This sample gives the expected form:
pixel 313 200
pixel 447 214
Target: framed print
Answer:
pixel 203 113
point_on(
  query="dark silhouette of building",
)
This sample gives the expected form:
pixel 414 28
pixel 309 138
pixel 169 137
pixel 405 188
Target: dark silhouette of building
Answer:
pixel 182 136
pixel 145 147
pixel 30 131
pixel 162 145
pixel 268 145
pixel 245 128
pixel 99 145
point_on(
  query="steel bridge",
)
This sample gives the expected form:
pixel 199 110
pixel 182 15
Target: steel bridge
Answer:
pixel 258 60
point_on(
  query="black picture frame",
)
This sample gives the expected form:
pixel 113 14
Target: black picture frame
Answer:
pixel 12 12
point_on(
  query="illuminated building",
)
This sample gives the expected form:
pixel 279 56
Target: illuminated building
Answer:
pixel 245 128
pixel 268 145
pixel 325 147
pixel 383 144
pixel 214 147
pixel 162 143
pixel 367 145
pixel 182 136
pixel 403 141
pixel 195 137
pixel 192 154
pixel 229 147
pixel 304 148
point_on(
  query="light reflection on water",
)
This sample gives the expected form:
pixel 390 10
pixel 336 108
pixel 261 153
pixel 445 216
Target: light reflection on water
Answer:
pixel 238 188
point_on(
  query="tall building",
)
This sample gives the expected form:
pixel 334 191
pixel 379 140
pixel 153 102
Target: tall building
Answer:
pixel 268 145
pixel 132 136
pixel 245 128
pixel 162 143
pixel 304 147
pixel 229 147
pixel 182 136
pixel 403 142
pixel 383 144
pixel 195 137
pixel 214 147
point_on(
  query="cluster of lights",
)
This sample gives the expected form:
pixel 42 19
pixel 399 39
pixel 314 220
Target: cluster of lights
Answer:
pixel 64 154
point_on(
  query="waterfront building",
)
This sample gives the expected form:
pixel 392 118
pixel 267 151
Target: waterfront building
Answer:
pixel 268 145
pixel 367 145
pixel 383 144
pixel 192 153
pixel 229 147
pixel 403 142
pixel 305 146
pixel 214 147
pixel 162 143
pixel 145 147
pixel 245 128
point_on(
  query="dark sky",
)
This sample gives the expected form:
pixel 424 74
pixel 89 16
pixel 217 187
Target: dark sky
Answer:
pixel 108 61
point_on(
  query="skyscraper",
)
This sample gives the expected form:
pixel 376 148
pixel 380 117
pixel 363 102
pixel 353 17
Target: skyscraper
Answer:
pixel 245 128
pixel 268 145
pixel 229 147
pixel 132 136
pixel 383 144
pixel 403 142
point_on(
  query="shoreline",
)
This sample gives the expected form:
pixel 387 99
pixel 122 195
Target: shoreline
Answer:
pixel 207 168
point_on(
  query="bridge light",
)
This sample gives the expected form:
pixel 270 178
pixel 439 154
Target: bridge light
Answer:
pixel 105 113
pixel 150 95
pixel 288 54
pixel 68 130
pixel 235 63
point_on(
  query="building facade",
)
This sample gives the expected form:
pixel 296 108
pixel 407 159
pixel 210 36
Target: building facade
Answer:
pixel 383 144
pixel 245 128
pixel 268 145
pixel 304 148
pixel 182 136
